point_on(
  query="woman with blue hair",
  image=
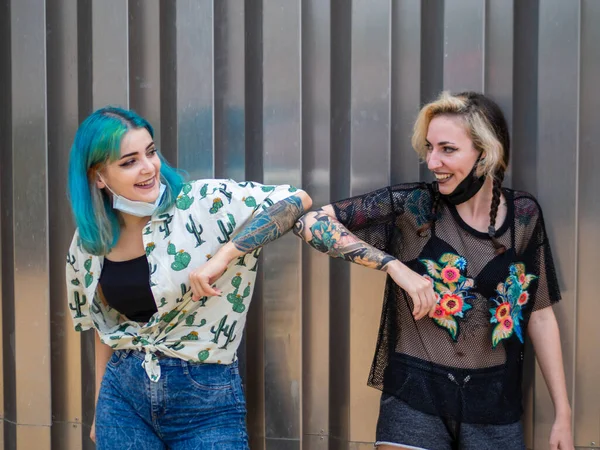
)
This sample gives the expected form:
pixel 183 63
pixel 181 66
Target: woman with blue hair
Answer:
pixel 164 271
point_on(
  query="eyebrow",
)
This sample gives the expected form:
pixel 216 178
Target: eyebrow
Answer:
pixel 441 142
pixel 135 153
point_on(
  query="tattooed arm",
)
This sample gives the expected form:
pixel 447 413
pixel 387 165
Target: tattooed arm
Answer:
pixel 267 226
pixel 321 230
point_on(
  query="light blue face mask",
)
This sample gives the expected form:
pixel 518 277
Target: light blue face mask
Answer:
pixel 135 208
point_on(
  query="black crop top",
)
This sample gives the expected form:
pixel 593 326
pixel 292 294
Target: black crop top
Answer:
pixel 126 288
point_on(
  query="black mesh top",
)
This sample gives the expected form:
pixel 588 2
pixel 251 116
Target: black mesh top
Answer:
pixel 466 363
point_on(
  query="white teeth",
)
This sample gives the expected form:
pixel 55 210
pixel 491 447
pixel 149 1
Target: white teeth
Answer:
pixel 442 176
pixel 145 183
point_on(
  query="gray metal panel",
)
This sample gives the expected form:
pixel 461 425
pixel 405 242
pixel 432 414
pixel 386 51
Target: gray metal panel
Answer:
pixel 499 44
pixel 144 61
pixel 587 369
pixel 282 163
pixel 557 169
pixel 464 23
pixel 370 169
pixel 195 86
pixel 230 90
pixel 316 129
pixel 63 112
pixel 110 53
pixel 32 327
pixel 405 86
pixel 6 248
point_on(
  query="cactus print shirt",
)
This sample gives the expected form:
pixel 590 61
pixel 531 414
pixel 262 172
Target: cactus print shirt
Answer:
pixel 466 362
pixel 206 215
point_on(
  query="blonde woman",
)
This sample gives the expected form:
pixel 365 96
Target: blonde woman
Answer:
pixel 470 274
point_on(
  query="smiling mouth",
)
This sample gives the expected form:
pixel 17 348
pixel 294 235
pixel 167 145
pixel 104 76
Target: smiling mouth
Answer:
pixel 147 184
pixel 442 177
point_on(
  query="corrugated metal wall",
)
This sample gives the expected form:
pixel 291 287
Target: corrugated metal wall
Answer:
pixel 320 93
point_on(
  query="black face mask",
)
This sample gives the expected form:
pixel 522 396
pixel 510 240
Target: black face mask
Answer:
pixel 467 188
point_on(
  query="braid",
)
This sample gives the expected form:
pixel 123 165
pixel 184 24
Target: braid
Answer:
pixel 496 194
pixel 433 214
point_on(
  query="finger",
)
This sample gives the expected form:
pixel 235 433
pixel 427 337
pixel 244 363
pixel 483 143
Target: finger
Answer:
pixel 432 311
pixel 416 305
pixel 208 290
pixel 197 291
pixel 422 307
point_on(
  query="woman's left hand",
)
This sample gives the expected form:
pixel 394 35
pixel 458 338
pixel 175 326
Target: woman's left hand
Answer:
pixel 561 436
pixel 203 278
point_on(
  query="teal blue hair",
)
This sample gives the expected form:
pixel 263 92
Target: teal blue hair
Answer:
pixel 98 142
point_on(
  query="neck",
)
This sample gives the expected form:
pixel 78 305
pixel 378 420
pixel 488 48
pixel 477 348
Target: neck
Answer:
pixel 131 222
pixel 480 203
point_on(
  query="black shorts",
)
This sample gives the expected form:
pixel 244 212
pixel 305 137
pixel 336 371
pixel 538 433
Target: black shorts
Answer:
pixel 403 426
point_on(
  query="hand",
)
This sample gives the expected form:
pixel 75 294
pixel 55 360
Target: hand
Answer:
pixel 202 278
pixel 93 431
pixel 418 287
pixel 561 436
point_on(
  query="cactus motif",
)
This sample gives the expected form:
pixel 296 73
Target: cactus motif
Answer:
pixel 241 260
pixel 182 259
pixel 72 260
pixel 79 302
pixel 246 183
pixel 149 247
pixel 203 355
pixel 75 282
pixel 147 231
pixel 235 298
pixel 165 227
pixel 267 188
pixel 267 204
pixel 95 307
pixel 137 340
pixel 192 336
pixel 163 302
pixel 78 327
pixel 227 330
pixel 176 346
pixel 226 231
pixel 256 253
pixel 184 201
pixel 195 230
pixel 184 290
pixel 250 202
pixel 152 271
pixel 167 317
pixel 292 189
pixel 204 191
pixel 89 276
pixel 217 205
pixel 223 190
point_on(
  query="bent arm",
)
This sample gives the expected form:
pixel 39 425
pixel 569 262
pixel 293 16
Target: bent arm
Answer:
pixel 322 231
pixel 545 336
pixel 267 226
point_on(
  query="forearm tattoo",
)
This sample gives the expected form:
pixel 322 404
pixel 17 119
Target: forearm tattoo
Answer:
pixel 269 224
pixel 329 236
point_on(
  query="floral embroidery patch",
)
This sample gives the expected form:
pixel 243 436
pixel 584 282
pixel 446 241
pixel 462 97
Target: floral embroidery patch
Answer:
pixel 512 297
pixel 451 288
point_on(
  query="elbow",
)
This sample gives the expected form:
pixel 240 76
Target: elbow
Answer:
pixel 306 200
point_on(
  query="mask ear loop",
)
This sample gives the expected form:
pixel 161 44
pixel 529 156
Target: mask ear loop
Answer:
pixel 105 183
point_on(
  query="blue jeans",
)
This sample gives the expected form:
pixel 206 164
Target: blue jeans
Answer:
pixel 192 406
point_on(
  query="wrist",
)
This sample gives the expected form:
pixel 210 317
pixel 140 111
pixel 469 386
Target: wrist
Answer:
pixel 394 263
pixel 228 252
pixel 563 414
